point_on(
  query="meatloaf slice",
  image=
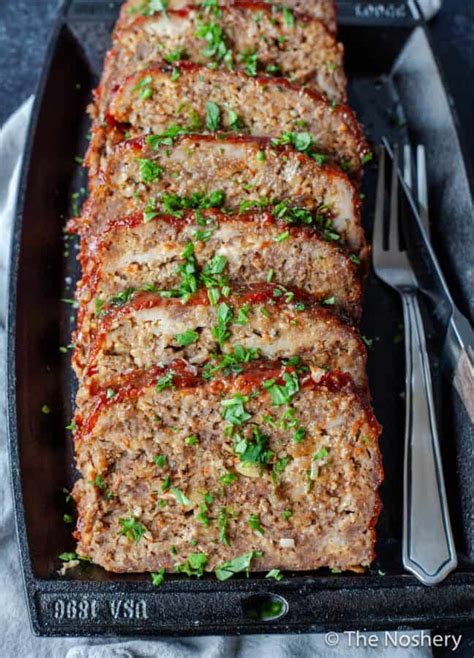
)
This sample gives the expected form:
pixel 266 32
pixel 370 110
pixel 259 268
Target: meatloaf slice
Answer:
pixel 262 320
pixel 180 254
pixel 209 100
pixel 270 460
pixel 250 36
pixel 325 10
pixel 243 169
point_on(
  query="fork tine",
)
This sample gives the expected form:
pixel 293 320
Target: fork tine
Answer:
pixel 407 171
pixel 393 236
pixel 377 238
pixel 422 186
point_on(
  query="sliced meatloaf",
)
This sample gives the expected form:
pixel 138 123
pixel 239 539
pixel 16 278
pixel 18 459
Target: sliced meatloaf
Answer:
pixel 325 10
pixel 253 37
pixel 177 255
pixel 270 463
pixel 262 320
pixel 206 100
pixel 243 169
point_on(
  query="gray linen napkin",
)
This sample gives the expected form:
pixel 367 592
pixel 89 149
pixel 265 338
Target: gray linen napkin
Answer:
pixel 16 640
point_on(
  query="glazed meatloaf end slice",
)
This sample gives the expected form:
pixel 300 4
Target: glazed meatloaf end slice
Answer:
pixel 270 463
pixel 176 255
pixel 211 100
pixel 325 10
pixel 263 320
pixel 244 169
pixel 253 37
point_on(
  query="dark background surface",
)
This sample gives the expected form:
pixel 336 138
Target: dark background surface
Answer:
pixel 25 24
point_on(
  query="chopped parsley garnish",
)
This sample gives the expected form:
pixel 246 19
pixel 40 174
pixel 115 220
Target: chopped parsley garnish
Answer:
pixel 321 455
pixel 143 88
pixel 149 7
pixel 234 411
pixel 45 409
pixel 255 524
pixel 160 460
pixel 299 435
pixel 72 426
pixel 165 382
pixel 149 170
pixel 76 199
pixel 369 342
pixel 276 574
pixel 100 482
pixel 167 137
pixel 231 363
pixel 282 236
pixel 181 498
pixel 175 55
pixel 288 17
pixel 123 297
pixel 238 564
pixel 250 60
pixel 243 314
pixel 280 465
pixel 166 484
pixel 191 440
pixel 213 116
pixel 67 518
pixel 172 204
pixel 132 529
pixel 216 47
pixel 367 158
pixel 354 259
pixel 187 338
pixel 224 317
pixel 227 478
pixel 282 393
pixel 329 301
pixel 292 215
pixel 175 74
pixel 287 514
pixel 150 211
pixel 233 120
pixel 194 565
pixel 158 577
pixel 301 141
pixel 254 452
pixel 222 524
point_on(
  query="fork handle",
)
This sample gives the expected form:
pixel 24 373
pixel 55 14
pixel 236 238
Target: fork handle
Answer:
pixel 428 546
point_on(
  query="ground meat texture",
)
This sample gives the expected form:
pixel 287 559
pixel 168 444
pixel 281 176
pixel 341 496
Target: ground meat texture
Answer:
pixel 243 168
pixel 255 37
pixel 265 320
pixel 325 10
pixel 313 501
pixel 136 255
pixel 261 106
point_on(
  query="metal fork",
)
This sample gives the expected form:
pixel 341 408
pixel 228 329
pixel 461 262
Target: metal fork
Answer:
pixel 428 546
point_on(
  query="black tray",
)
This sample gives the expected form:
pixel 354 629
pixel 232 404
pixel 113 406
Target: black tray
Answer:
pixel 397 91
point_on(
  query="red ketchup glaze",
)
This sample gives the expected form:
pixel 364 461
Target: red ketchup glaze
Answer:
pixel 130 386
pixel 257 293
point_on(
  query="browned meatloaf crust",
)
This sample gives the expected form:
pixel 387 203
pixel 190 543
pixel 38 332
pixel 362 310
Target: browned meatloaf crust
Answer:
pixel 260 106
pixel 263 320
pixel 245 169
pixel 252 37
pixel 325 10
pixel 250 247
pixel 160 470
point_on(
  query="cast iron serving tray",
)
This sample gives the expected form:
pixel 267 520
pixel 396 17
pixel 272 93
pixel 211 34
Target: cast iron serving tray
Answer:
pixel 397 91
